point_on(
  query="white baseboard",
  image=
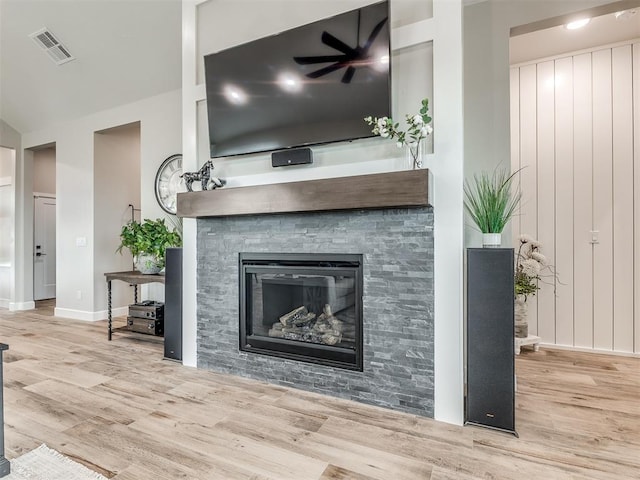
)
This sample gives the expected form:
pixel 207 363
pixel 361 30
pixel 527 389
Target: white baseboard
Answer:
pixel 115 312
pixel 13 306
pixel 88 316
pixel 4 302
pixel 552 346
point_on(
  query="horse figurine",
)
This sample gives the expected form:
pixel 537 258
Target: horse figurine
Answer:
pixel 207 181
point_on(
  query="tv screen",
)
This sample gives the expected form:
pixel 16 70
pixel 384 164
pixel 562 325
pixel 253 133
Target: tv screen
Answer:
pixel 310 85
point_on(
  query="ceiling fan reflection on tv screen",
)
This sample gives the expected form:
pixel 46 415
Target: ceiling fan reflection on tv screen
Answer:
pixel 310 85
pixel 351 58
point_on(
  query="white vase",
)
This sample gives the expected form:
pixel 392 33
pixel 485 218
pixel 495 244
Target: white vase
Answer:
pixel 491 240
pixel 520 317
pixel 148 264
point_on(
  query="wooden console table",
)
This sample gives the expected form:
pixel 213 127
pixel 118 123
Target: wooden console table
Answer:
pixel 133 278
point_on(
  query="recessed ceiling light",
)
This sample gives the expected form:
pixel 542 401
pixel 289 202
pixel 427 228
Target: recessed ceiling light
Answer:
pixel 577 24
pixel 625 14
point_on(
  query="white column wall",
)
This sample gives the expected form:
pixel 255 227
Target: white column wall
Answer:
pixel 11 139
pixel 7 221
pixel 160 127
pixel 445 31
pixel 21 287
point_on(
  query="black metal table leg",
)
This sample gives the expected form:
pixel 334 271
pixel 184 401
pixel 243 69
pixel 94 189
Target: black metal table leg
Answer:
pixel 109 306
pixel 135 293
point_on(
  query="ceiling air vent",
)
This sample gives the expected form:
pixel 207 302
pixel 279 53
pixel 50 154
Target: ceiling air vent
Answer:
pixel 52 46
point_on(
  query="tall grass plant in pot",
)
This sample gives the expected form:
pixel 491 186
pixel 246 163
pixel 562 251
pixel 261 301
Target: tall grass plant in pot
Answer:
pixel 490 202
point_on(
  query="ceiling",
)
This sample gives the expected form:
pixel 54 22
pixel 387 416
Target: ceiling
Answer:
pixel 125 50
pixel 601 30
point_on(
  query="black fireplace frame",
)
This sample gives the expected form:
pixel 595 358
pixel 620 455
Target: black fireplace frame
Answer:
pixel 301 263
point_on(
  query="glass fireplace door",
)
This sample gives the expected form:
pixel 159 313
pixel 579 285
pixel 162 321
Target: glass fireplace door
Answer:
pixel 303 307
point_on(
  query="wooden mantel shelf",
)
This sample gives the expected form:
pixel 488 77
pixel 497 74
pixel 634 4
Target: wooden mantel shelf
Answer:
pixel 381 190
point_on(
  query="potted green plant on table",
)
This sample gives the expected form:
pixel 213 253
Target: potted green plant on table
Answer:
pixel 147 242
pixel 490 203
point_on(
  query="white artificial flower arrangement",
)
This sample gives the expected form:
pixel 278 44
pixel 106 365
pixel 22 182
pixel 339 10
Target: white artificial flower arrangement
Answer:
pixel 418 129
pixel 529 263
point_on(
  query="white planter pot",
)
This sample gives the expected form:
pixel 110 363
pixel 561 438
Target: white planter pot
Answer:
pixel 491 240
pixel 520 317
pixel 148 264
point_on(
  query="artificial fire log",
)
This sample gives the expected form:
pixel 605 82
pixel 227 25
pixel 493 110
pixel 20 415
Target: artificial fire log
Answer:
pixel 288 318
pixel 304 319
pixel 276 333
pixel 331 338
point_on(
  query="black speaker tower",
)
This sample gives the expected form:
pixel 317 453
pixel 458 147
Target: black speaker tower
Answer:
pixel 173 304
pixel 490 400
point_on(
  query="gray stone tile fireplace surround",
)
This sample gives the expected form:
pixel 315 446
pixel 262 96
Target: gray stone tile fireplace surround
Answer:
pixel 397 248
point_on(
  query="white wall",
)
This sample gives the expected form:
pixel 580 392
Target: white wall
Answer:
pixel 116 185
pixel 7 168
pixel 160 136
pixel 21 296
pixel 44 170
pixel 486 80
pixel 575 135
pixel 224 23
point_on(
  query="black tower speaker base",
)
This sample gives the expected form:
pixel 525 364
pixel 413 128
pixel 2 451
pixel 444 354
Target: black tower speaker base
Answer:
pixel 490 400
pixel 295 156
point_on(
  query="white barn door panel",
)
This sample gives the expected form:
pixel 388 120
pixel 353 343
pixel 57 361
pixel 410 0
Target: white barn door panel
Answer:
pixel 574 129
pixel 582 195
pixel 546 193
pixel 636 194
pixel 528 175
pixel 602 202
pixel 514 92
pixel 564 208
pixel 623 245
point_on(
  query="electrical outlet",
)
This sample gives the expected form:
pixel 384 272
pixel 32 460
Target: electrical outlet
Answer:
pixel 79 294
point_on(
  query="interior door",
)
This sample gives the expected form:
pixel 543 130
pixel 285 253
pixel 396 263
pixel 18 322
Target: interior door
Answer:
pixel 44 244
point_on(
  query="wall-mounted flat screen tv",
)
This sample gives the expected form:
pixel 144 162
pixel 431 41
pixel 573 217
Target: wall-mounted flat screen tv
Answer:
pixel 310 85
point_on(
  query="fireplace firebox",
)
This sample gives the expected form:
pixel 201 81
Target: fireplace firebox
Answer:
pixel 305 307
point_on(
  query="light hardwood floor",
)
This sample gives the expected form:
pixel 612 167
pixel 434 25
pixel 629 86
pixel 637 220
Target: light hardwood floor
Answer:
pixel 126 413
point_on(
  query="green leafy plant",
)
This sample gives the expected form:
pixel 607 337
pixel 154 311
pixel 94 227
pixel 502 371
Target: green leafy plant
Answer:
pixel 418 129
pixel 490 201
pixel 150 237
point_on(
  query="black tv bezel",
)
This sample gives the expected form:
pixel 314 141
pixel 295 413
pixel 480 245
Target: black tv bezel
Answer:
pixel 307 144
